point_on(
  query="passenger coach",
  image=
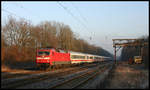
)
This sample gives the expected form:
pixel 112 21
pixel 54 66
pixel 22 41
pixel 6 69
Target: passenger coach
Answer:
pixel 77 57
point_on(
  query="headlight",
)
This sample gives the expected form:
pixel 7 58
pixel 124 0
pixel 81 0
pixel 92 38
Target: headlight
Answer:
pixel 38 58
pixel 46 58
pixel 43 58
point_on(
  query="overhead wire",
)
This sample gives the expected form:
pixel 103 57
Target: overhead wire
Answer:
pixel 66 9
pixel 21 6
pixel 11 13
pixel 83 18
pixel 77 9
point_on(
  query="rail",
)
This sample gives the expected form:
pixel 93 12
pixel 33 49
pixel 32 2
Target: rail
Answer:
pixel 17 82
pixel 80 80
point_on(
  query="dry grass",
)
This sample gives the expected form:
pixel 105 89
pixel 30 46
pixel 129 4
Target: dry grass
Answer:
pixel 121 69
pixel 125 77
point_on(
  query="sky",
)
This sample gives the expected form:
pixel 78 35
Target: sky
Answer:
pixel 97 22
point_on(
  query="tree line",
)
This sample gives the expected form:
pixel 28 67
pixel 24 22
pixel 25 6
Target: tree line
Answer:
pixel 20 39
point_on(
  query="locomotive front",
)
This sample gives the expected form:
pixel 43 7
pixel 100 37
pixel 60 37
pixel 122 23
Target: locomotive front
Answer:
pixel 43 57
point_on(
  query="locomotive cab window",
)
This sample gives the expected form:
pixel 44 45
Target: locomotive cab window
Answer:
pixel 45 53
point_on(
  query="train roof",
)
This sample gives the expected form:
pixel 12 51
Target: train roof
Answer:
pixel 45 48
pixel 79 53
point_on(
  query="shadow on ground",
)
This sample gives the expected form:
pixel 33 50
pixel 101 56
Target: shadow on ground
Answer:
pixel 24 65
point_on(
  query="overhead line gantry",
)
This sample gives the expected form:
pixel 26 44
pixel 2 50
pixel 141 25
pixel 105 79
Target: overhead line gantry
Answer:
pixel 118 43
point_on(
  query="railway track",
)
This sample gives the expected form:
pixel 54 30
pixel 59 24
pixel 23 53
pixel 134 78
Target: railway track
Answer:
pixel 80 80
pixel 14 83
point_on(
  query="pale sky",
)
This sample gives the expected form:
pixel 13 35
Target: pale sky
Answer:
pixel 100 20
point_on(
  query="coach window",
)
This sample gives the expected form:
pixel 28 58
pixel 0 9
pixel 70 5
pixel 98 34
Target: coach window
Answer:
pixel 73 56
pixel 78 57
pixel 95 57
pixel 87 57
pixel 91 57
pixel 83 57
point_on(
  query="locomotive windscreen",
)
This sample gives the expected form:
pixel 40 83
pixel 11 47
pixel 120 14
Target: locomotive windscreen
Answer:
pixel 43 53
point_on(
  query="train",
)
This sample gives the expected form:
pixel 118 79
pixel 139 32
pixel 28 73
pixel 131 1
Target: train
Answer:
pixel 46 57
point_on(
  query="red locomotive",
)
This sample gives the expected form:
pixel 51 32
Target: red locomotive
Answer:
pixel 50 57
